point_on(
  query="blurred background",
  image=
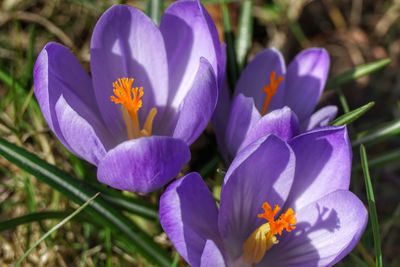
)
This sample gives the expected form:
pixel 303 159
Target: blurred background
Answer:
pixel 354 32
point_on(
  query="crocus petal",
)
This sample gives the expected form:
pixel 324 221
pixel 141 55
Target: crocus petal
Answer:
pixel 305 80
pixel 220 116
pixel 57 73
pixel 198 106
pixel 78 133
pixel 212 255
pixel 280 122
pixel 144 164
pixel 188 215
pixel 188 36
pixel 261 172
pixel 242 118
pixel 323 164
pixel 127 44
pixel 321 117
pixel 327 230
pixel 256 76
pixel 219 49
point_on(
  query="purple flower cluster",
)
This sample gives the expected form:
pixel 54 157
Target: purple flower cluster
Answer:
pixel 263 91
pixel 309 175
pixel 285 199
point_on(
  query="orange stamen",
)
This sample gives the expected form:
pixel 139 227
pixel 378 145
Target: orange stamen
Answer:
pixel 286 221
pixel 264 237
pixel 131 100
pixel 270 90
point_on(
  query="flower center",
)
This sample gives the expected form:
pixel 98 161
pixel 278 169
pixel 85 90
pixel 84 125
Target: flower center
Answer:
pixel 264 237
pixel 131 100
pixel 270 90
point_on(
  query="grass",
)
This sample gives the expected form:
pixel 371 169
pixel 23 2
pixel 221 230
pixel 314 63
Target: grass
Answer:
pixel 364 83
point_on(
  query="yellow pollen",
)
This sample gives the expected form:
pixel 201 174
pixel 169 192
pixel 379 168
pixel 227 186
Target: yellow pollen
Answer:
pixel 264 237
pixel 130 99
pixel 270 90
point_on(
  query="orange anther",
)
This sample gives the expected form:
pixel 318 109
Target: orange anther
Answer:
pixel 270 90
pixel 131 100
pixel 286 221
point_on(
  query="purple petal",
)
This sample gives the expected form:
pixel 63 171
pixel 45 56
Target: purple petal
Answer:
pixel 189 35
pixel 256 76
pixel 212 255
pixel 280 122
pixel 321 117
pixel 219 49
pixel 242 118
pixel 198 106
pixel 220 117
pixel 144 164
pixel 323 164
pixel 78 133
pixel 222 77
pixel 188 215
pixel 262 172
pixel 57 74
pixel 126 43
pixel 327 230
pixel 305 80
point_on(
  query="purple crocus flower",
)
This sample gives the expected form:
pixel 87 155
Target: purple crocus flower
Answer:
pixel 282 204
pixel 264 86
pixel 151 93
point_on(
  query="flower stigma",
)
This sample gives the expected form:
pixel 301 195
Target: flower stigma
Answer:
pixel 270 90
pixel 130 99
pixel 264 237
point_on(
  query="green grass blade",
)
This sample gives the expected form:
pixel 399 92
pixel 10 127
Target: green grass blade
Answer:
pixel 154 10
pixel 232 69
pixel 352 115
pixel 54 228
pixel 371 206
pixel 343 100
pixel 358 261
pixel 358 72
pixel 32 217
pixel 134 239
pixel 243 40
pixel 9 81
pixel 299 34
pixel 30 57
pixel 134 205
pixel 388 130
pixel 387 158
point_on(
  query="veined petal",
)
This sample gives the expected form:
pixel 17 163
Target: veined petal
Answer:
pixel 212 255
pixel 305 80
pixel 127 44
pixel 242 118
pixel 323 164
pixel 321 117
pixel 256 76
pixel 144 164
pixel 327 230
pixel 189 35
pixel 261 172
pixel 78 133
pixel 57 73
pixel 188 215
pixel 198 106
pixel 280 122
pixel 220 117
